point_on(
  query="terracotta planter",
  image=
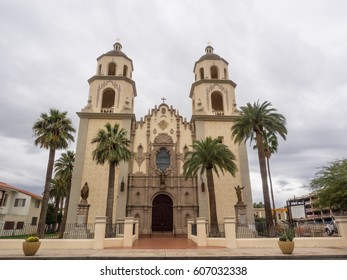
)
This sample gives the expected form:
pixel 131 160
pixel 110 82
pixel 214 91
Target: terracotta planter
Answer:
pixel 286 247
pixel 30 248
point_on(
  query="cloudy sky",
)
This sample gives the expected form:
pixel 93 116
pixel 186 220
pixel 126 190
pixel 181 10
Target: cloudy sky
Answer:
pixel 291 53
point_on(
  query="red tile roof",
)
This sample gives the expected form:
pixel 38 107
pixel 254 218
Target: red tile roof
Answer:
pixel 4 186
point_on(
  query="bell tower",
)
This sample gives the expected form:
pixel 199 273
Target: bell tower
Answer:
pixel 110 100
pixel 112 89
pixel 214 110
pixel 212 93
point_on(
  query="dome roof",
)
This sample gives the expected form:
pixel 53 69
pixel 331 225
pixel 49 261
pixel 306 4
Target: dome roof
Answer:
pixel 117 51
pixel 209 55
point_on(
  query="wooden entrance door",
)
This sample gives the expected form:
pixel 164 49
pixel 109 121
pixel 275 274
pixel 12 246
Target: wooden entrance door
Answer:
pixel 162 213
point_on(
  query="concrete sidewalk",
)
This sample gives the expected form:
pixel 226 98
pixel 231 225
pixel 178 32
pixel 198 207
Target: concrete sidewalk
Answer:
pixel 203 253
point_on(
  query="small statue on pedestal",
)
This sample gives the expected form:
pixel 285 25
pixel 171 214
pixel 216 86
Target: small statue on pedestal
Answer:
pixel 84 193
pixel 239 194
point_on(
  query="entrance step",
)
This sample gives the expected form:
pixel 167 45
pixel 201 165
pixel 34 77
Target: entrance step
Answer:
pixel 163 235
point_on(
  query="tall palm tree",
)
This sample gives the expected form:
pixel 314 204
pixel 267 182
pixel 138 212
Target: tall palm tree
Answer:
pixel 251 124
pixel 63 168
pixel 112 147
pixel 57 194
pixel 53 131
pixel 209 156
pixel 270 147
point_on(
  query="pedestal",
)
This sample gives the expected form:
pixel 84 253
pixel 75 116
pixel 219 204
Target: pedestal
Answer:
pixel 243 230
pixel 80 229
pixel 241 214
pixel 82 215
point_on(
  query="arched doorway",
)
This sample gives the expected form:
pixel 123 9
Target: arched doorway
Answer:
pixel 162 213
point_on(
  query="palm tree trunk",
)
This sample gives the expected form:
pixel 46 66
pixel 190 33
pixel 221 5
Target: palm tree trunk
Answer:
pixel 56 212
pixel 263 173
pixel 66 209
pixel 212 201
pixel 44 206
pixel 271 190
pixel 110 200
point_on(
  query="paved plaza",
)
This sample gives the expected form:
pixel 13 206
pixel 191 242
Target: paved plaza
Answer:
pixel 178 248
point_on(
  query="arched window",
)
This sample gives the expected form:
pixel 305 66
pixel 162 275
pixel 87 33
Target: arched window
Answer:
pixel 108 98
pixel 225 74
pixel 125 70
pixel 214 72
pixel 111 69
pixel 202 76
pixel 100 68
pixel 163 159
pixel 217 102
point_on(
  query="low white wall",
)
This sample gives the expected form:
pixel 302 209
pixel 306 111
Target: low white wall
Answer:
pixel 304 242
pixel 87 244
pixel 113 242
pixel 216 242
pixel 194 238
pixel 49 244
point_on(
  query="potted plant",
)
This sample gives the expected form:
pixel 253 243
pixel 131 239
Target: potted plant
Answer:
pixel 285 241
pixel 31 245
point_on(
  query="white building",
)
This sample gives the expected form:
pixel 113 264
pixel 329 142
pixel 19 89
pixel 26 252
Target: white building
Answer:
pixel 18 208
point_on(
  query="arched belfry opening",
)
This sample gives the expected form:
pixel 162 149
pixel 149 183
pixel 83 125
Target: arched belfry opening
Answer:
pixel 214 72
pixel 125 70
pixel 162 213
pixel 217 103
pixel 108 98
pixel 202 75
pixel 111 69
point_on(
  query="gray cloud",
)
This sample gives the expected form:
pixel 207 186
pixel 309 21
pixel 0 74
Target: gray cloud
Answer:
pixel 288 53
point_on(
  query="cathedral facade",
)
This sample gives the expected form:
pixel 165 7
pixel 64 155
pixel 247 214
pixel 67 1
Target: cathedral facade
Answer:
pixel 151 185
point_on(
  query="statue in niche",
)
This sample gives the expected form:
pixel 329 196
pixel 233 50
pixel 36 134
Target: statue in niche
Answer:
pixel 199 106
pixel 162 176
pixel 84 193
pixel 239 194
pixel 126 105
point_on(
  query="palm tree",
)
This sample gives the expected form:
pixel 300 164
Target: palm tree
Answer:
pixel 270 147
pixel 63 168
pixel 53 131
pixel 207 156
pixel 57 194
pixel 251 124
pixel 112 147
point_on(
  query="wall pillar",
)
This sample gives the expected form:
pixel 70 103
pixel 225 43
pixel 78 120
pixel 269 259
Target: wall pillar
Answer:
pixel 99 234
pixel 128 232
pixel 189 227
pixel 230 232
pixel 137 228
pixel 201 231
pixel 341 222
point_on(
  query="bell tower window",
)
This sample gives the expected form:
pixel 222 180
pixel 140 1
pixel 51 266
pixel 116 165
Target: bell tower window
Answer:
pixel 125 70
pixel 163 159
pixel 214 72
pixel 99 69
pixel 217 103
pixel 202 76
pixel 111 69
pixel 108 98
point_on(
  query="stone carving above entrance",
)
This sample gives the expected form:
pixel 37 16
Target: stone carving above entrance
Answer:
pixel 163 124
pixel 163 138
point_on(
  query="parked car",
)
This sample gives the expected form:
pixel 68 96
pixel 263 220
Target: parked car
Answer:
pixel 331 228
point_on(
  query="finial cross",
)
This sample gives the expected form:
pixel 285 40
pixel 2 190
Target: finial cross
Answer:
pixel 163 99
